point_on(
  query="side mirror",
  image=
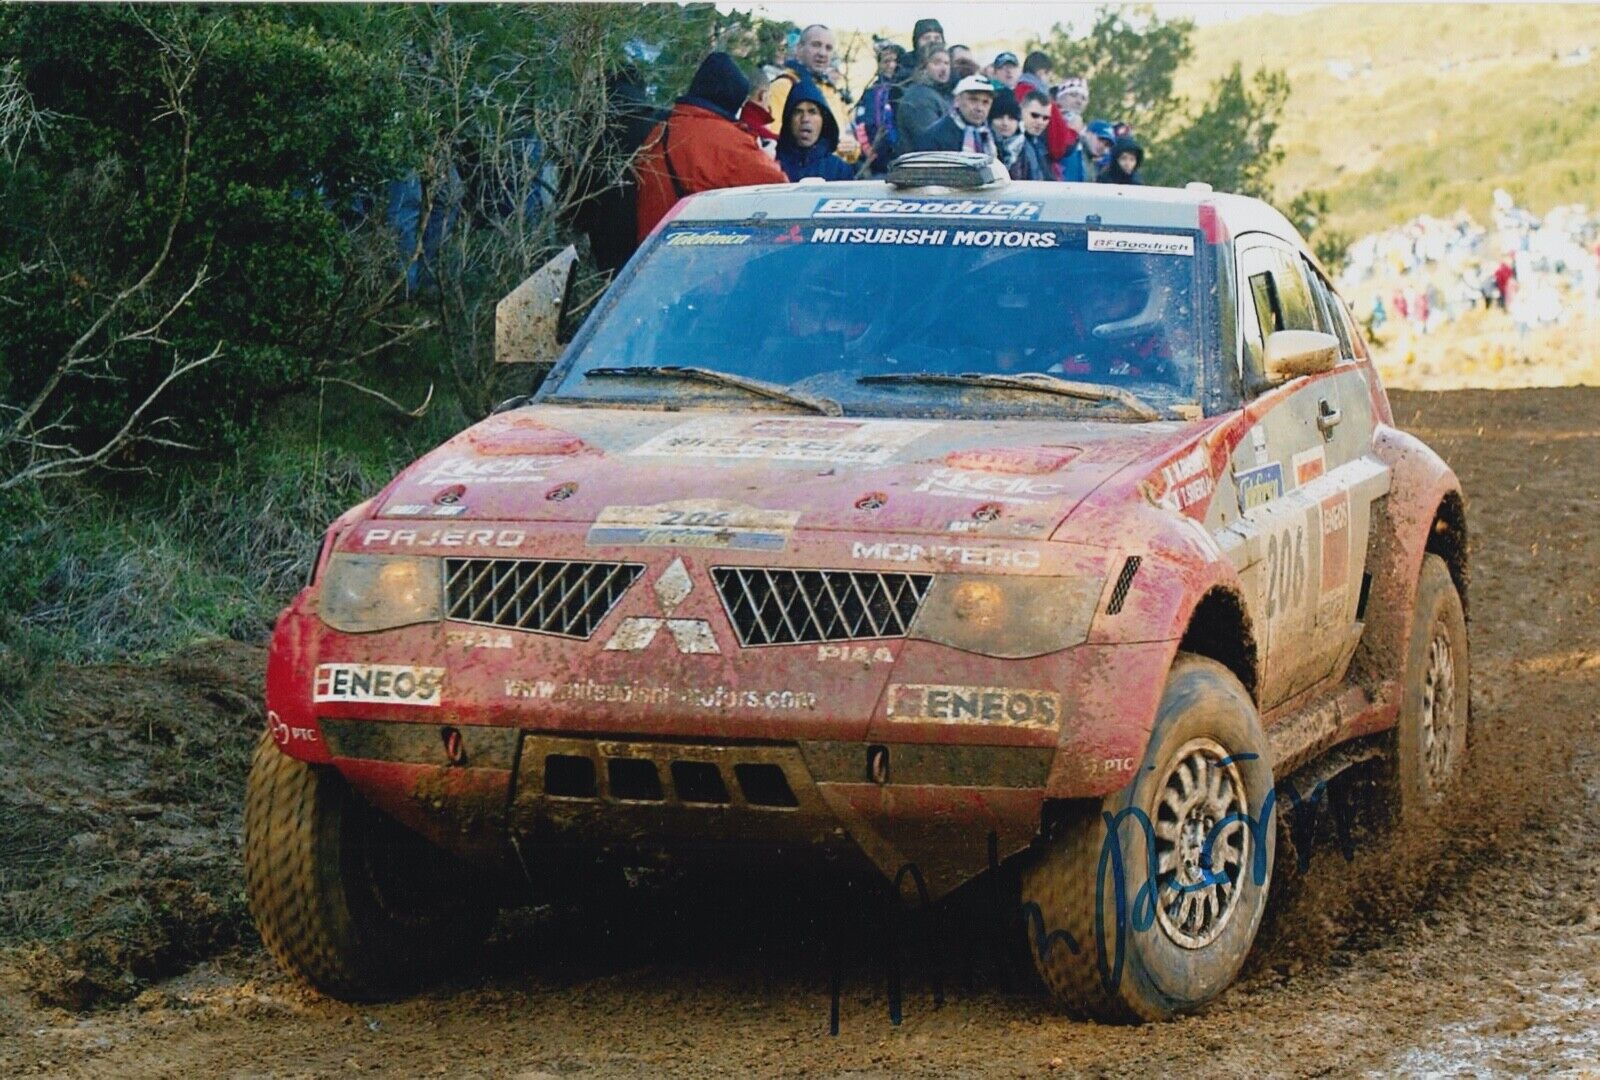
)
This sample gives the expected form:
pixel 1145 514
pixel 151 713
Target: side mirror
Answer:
pixel 1291 353
pixel 527 321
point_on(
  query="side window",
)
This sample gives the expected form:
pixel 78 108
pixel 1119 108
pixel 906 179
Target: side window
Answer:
pixel 1257 311
pixel 1294 294
pixel 1330 309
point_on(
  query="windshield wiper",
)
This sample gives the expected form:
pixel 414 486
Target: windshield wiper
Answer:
pixel 759 387
pixel 1035 381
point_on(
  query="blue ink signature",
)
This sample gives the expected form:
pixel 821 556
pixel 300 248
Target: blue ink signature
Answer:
pixel 1135 916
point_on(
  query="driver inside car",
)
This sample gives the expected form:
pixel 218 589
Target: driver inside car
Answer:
pixel 1113 326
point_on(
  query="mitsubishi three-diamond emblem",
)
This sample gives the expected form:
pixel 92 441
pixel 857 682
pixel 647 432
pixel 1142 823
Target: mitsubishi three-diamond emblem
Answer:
pixel 689 635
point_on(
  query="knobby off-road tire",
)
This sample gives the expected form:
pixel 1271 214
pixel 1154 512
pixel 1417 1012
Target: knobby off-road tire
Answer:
pixel 1431 739
pixel 1149 950
pixel 345 899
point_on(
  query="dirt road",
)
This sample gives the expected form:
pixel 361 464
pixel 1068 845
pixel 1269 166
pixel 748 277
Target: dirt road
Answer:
pixel 1475 948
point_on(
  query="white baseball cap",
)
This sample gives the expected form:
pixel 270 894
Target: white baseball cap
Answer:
pixel 975 84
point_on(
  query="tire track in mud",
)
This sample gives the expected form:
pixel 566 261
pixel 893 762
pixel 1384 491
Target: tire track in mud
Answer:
pixel 1471 944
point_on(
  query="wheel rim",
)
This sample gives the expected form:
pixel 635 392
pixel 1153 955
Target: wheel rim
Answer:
pixel 1201 801
pixel 1439 711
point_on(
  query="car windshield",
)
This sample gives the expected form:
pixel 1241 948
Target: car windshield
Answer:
pixel 825 312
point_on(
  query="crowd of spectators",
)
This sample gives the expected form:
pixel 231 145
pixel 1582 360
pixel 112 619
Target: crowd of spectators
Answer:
pixel 796 119
pixel 1429 272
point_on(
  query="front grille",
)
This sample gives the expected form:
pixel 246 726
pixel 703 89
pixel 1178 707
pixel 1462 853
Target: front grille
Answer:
pixel 568 599
pixel 788 607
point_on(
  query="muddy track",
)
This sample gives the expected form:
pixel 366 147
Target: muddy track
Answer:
pixel 1470 947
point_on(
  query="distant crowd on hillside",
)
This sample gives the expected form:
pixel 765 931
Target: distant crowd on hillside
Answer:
pixel 1541 271
pixel 788 117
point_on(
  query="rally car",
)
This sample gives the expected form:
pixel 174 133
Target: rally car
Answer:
pixel 939 525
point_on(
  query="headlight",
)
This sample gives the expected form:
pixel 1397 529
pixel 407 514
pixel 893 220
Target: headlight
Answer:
pixel 363 593
pixel 1010 618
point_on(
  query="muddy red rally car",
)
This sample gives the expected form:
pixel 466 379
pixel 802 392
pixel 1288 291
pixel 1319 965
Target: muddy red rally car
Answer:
pixel 920 523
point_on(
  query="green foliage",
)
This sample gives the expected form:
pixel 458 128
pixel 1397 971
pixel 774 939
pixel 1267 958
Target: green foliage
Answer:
pixel 1131 58
pixel 253 144
pixel 1227 142
pixel 1309 212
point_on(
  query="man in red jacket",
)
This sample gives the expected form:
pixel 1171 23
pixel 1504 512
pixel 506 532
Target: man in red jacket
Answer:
pixel 701 146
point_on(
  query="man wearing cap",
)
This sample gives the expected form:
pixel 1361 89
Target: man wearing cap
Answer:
pixel 1007 70
pixel 926 32
pixel 813 60
pixel 1083 165
pixel 966 127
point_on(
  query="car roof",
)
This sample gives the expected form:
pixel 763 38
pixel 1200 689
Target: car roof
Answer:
pixel 1067 203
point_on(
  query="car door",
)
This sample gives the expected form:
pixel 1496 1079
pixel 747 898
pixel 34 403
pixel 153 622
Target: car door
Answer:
pixel 1303 478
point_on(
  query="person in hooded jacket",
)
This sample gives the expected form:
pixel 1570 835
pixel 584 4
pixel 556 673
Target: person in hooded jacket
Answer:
pixel 809 137
pixel 1123 168
pixel 701 146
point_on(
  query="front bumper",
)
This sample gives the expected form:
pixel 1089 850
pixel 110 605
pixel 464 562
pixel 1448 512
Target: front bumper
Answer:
pixel 483 791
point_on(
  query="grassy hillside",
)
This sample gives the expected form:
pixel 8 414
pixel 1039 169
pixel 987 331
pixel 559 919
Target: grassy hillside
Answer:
pixel 1439 104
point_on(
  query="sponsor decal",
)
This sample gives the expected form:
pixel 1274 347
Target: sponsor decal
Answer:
pixel 390 684
pixel 865 655
pixel 707 239
pixel 422 510
pixel 1335 542
pixel 283 734
pixel 959 484
pixel 945 208
pixel 689 635
pixel 992 706
pixel 845 442
pixel 1260 485
pixel 1183 481
pixel 1105 766
pixel 1012 459
pixel 955 555
pixel 1258 440
pixel 517 469
pixel 451 538
pixel 706 523
pixel 913 237
pixel 1142 243
pixel 478 639
pixel 723 698
pixel 1308 465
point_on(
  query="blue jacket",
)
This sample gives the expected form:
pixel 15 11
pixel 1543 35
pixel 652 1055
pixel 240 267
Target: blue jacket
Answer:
pixel 818 160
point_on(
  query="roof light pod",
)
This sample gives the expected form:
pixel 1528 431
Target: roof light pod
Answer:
pixel 946 168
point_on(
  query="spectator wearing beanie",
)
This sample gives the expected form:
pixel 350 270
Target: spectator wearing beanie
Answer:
pixel 926 32
pixel 701 145
pixel 1011 144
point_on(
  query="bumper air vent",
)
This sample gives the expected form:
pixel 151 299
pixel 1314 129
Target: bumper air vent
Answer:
pixel 568 599
pixel 1119 591
pixel 790 607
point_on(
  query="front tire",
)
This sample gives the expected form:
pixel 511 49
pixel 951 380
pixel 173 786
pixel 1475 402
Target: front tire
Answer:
pixel 1157 918
pixel 1431 743
pixel 345 899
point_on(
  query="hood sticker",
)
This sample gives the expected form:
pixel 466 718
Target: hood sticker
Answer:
pixel 960 484
pixel 705 523
pixel 495 470
pixel 844 442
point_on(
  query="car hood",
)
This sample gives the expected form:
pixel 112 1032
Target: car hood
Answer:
pixel 746 480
